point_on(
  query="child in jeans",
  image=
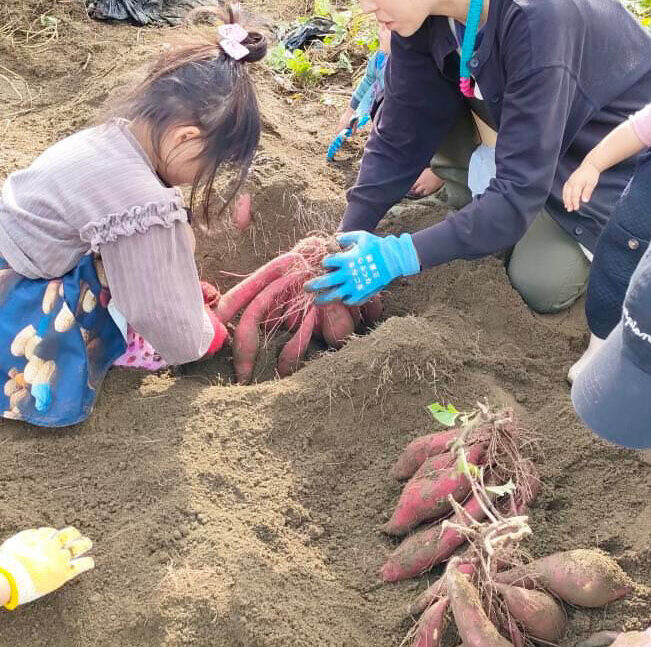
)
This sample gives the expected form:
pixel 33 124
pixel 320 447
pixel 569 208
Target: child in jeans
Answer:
pixel 109 192
pixel 626 236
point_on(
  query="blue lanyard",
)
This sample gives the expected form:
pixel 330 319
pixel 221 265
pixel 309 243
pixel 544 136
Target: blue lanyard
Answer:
pixel 468 48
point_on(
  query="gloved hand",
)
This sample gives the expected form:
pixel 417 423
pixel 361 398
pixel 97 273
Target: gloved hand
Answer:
pixel 36 562
pixel 210 294
pixel 221 334
pixel 368 265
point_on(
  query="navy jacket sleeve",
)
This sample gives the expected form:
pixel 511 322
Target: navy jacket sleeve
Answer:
pixel 419 109
pixel 528 148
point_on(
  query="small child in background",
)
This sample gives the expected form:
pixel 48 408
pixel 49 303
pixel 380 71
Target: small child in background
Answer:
pixel 95 243
pixel 366 100
pixel 625 238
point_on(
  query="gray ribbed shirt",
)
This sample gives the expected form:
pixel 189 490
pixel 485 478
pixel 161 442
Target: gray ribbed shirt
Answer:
pixel 97 191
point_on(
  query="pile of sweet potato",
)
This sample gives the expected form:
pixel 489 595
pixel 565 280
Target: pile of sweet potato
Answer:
pixel 520 603
pixel 436 482
pixel 472 486
pixel 273 297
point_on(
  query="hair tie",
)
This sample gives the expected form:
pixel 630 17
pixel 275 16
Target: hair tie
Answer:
pixel 232 36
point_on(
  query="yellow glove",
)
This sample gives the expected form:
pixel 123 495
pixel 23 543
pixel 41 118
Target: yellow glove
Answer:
pixel 39 561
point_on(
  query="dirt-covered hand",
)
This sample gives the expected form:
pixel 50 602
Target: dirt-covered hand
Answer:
pixel 580 185
pixel 38 561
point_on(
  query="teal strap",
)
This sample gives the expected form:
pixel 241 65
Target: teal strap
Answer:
pixel 470 36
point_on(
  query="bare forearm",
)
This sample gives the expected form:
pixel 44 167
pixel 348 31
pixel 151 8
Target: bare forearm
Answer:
pixel 617 146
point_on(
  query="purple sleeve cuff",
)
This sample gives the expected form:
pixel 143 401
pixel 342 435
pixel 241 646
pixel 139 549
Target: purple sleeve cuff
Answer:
pixel 437 244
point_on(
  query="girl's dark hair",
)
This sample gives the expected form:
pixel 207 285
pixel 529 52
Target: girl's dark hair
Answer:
pixel 194 82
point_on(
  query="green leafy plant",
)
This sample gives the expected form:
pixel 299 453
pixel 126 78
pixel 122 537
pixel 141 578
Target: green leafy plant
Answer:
pixel 447 415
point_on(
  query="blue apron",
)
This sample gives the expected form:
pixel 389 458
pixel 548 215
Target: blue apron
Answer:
pixel 57 342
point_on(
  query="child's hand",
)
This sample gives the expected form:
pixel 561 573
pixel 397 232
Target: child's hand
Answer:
pixel 38 561
pixel 580 185
pixel 344 121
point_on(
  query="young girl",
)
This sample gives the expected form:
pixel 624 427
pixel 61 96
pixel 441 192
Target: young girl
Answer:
pixel 109 193
pixel 628 231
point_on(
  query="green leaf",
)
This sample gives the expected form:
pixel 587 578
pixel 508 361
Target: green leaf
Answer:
pixel 501 490
pixel 322 8
pixel 445 415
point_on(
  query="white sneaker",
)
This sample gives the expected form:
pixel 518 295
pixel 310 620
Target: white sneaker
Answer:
pixel 594 345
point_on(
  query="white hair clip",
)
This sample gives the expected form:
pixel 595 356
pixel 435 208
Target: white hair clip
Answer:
pixel 232 36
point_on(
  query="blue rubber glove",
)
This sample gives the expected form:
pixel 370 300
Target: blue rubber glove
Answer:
pixel 368 265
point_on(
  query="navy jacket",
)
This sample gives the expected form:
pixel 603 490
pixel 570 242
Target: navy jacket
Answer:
pixel 556 75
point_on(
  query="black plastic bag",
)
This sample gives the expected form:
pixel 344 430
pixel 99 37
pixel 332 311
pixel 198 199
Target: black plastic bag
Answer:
pixel 315 28
pixel 144 12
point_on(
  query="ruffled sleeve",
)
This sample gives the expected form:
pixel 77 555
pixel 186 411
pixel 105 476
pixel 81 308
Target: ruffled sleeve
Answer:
pixel 135 220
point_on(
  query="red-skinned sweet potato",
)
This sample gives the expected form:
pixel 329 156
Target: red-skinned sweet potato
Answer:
pixel 292 354
pixel 473 625
pixel 435 591
pixel 540 615
pixel 425 496
pixel 419 450
pixel 337 324
pixel 431 625
pixel 427 548
pixel 244 292
pixel 586 578
pixel 246 336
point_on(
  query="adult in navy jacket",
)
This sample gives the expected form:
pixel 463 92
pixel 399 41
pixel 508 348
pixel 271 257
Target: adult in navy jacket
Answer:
pixel 552 77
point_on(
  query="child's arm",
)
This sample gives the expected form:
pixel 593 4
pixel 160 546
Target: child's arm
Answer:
pixel 154 282
pixel 628 139
pixel 365 84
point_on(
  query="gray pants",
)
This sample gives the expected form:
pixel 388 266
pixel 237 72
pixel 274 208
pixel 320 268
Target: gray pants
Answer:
pixel 547 266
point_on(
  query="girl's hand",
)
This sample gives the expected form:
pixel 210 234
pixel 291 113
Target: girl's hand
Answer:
pixel 344 121
pixel 580 185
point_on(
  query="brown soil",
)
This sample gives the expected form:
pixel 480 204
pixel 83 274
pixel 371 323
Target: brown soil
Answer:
pixel 227 515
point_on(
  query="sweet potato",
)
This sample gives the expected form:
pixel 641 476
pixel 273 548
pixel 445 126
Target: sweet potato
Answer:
pixel 431 625
pixel 425 497
pixel 474 627
pixel 418 450
pixel 294 350
pixel 427 548
pixel 600 639
pixel 241 217
pixel 244 292
pixel 337 324
pixel 586 578
pixel 435 591
pixel 245 338
pixel 210 294
pixel 540 615
pixel 372 310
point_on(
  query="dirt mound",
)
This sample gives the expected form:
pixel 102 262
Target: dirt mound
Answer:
pixel 227 515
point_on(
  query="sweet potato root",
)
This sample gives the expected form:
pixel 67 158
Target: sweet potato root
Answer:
pixel 540 615
pixel 419 450
pixel 425 497
pixel 473 625
pixel 586 578
pixel 431 625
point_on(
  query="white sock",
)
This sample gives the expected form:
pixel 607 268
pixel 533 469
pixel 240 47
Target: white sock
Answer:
pixel 594 345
